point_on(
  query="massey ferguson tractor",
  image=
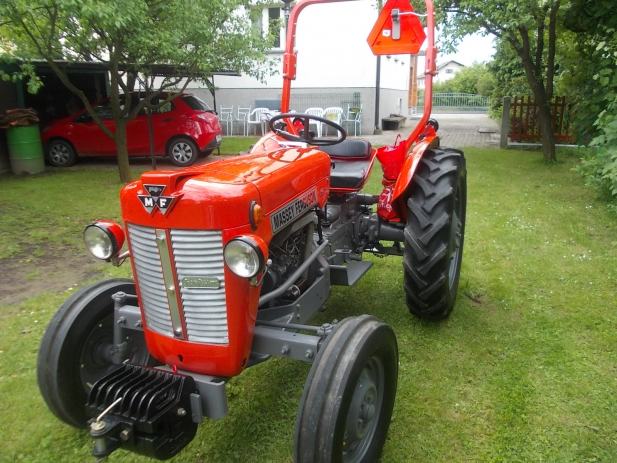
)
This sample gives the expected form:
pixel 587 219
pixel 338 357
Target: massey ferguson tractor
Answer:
pixel 232 259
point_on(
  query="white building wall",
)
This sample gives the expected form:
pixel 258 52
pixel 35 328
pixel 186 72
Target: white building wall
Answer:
pixel 333 52
pixel 333 58
pixel 447 72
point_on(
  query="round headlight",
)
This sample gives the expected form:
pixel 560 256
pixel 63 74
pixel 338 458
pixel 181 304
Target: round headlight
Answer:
pixel 104 239
pixel 243 257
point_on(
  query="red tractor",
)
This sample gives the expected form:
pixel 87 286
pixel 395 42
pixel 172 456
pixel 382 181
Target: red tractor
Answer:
pixel 232 259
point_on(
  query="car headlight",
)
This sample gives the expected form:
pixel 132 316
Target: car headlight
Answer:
pixel 104 239
pixel 244 257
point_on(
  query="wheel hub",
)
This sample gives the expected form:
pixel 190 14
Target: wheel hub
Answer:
pixel 363 414
pixel 182 152
pixel 59 153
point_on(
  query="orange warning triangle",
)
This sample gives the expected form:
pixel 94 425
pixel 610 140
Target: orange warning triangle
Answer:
pixel 396 31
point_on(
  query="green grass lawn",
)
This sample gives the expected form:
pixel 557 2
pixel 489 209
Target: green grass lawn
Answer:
pixel 45 211
pixel 525 369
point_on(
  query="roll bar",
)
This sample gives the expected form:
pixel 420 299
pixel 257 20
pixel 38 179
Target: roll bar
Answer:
pixel 290 60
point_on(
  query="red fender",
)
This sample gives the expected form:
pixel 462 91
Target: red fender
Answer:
pixel 389 206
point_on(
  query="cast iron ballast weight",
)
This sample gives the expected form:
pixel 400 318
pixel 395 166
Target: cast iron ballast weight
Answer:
pixel 231 261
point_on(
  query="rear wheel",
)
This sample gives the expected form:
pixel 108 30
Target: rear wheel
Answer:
pixel 349 394
pixel 434 233
pixel 61 153
pixel 77 346
pixel 182 151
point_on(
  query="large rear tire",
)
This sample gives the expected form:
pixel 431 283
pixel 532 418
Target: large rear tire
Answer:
pixel 349 394
pixel 76 349
pixel 434 233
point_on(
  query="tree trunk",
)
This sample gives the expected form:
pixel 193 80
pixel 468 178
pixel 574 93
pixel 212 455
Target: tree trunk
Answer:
pixel 123 155
pixel 120 118
pixel 545 118
pixel 546 128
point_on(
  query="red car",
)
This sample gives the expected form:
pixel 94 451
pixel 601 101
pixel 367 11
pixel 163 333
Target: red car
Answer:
pixel 183 128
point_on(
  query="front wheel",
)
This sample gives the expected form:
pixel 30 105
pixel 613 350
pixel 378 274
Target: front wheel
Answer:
pixel 182 152
pixel 349 394
pixel 76 349
pixel 434 233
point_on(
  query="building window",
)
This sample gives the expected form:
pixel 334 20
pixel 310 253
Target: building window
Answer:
pixel 268 21
pixel 274 26
pixel 449 71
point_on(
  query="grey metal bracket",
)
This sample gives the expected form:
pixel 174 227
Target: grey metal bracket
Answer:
pixel 211 401
pixel 280 343
pixel 349 274
pixel 396 24
pixel 396 21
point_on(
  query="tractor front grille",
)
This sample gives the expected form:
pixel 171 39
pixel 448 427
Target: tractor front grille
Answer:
pixel 193 254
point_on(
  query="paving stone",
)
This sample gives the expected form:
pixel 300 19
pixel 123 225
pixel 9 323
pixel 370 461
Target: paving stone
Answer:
pixel 455 130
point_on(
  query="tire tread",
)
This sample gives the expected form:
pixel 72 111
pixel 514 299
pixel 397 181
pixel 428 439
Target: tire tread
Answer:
pixel 429 210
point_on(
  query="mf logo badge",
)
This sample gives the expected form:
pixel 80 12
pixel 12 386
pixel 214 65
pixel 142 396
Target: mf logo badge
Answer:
pixel 155 199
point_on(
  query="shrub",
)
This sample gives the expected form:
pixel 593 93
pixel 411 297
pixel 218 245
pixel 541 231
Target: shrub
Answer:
pixel 599 165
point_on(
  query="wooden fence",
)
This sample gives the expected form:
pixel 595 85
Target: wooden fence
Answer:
pixel 523 119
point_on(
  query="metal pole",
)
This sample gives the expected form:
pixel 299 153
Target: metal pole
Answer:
pixel 377 129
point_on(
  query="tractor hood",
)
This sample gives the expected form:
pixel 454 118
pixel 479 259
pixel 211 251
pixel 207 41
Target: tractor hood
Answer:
pixel 217 195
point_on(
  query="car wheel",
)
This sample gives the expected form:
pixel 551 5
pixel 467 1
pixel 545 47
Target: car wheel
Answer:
pixel 182 152
pixel 60 153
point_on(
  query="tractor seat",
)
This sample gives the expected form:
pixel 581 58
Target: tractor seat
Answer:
pixel 349 174
pixel 351 160
pixel 358 149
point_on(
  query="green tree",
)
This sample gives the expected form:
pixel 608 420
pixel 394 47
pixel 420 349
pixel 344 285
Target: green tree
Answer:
pixel 128 37
pixel 530 28
pixel 475 79
pixel 593 81
pixel 510 79
pixel 590 62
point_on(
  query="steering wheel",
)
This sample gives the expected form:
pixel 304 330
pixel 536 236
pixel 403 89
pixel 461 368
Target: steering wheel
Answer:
pixel 305 135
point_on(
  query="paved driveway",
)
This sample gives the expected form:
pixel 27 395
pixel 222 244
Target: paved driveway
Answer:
pixel 455 130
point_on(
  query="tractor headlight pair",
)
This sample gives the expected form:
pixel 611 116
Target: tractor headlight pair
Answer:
pixel 244 257
pixel 104 239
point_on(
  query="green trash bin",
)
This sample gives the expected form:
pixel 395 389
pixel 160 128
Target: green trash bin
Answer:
pixel 25 149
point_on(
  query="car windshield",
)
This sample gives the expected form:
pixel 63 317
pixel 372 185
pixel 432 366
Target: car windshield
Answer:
pixel 196 103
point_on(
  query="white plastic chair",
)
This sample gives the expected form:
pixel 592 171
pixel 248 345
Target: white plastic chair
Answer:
pixel 242 116
pixel 334 114
pixel 258 116
pixel 226 116
pixel 354 116
pixel 315 112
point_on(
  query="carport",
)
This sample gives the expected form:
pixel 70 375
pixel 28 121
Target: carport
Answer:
pixel 54 100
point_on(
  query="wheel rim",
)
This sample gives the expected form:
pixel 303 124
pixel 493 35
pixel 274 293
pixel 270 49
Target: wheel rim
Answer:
pixel 182 152
pixel 456 234
pixel 365 411
pixel 59 153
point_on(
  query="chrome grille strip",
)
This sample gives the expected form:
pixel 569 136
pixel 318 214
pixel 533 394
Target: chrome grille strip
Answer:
pixel 147 262
pixel 200 254
pixel 170 284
